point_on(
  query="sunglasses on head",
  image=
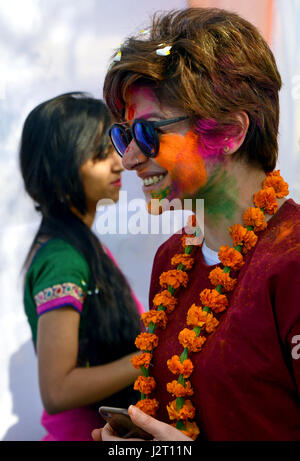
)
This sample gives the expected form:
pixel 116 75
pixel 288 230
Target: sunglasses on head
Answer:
pixel 144 133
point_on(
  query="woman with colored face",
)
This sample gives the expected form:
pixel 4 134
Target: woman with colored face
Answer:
pixel 196 98
pixel 83 316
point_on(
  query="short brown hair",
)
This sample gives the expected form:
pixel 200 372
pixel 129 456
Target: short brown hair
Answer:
pixel 219 64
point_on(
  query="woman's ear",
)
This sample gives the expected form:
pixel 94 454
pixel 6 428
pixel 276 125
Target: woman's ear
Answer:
pixel 233 143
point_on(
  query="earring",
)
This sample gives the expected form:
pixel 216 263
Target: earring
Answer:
pixel 226 149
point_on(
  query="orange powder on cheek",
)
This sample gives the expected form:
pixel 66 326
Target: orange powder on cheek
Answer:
pixel 179 155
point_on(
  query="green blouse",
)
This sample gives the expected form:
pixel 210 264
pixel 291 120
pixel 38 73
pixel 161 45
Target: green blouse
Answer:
pixel 58 276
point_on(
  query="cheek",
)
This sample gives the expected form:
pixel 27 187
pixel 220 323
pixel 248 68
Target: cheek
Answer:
pixel 180 156
pixel 95 181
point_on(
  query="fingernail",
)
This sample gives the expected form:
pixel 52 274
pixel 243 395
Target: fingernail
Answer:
pixel 132 409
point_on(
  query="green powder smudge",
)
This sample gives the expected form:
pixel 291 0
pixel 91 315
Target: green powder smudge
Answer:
pixel 219 194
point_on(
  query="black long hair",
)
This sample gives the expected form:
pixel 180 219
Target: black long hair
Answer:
pixel 58 136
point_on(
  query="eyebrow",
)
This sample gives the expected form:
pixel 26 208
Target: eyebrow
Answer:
pixel 146 116
pixel 153 115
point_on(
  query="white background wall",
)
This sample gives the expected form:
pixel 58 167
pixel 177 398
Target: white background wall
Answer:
pixel 48 47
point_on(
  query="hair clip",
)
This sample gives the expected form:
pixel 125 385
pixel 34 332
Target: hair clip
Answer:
pixel 165 51
pixel 119 54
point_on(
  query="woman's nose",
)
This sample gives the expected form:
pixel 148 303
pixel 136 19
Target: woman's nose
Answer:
pixel 117 163
pixel 133 156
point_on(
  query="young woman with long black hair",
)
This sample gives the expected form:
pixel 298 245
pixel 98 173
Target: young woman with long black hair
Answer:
pixel 83 315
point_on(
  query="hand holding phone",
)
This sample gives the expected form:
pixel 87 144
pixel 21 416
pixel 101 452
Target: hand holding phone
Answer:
pixel 120 421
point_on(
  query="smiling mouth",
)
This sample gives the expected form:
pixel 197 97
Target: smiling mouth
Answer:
pixel 153 180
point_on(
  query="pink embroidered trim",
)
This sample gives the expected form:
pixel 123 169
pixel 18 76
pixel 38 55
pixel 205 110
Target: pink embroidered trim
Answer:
pixel 60 302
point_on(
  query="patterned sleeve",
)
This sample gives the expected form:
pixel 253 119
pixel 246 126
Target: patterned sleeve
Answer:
pixel 61 278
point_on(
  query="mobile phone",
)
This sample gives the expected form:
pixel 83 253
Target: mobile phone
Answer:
pixel 120 421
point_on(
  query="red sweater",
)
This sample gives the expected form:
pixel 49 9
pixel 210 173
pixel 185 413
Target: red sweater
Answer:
pixel 247 376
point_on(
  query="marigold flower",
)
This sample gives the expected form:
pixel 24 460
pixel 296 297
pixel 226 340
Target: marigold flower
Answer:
pixel 159 318
pixel 192 430
pixel 144 384
pixel 146 341
pixel 165 299
pixel 178 390
pixel 196 317
pixel 231 257
pixel 214 300
pixel 250 241
pixel 218 277
pixel 189 339
pixel 256 218
pixel 186 412
pixel 237 232
pixel 274 180
pixel 211 324
pixel 174 278
pixel 266 199
pixel 177 368
pixel 242 236
pixel 148 406
pixel 141 360
pixel 186 260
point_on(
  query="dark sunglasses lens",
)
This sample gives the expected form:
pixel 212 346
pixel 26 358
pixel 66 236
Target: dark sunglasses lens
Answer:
pixel 119 139
pixel 146 138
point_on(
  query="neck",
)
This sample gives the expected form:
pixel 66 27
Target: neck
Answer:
pixel 88 218
pixel 227 195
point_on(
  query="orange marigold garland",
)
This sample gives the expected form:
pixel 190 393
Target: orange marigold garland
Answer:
pixel 156 317
pixel 144 384
pixel 231 257
pixel 173 278
pixel 266 199
pixel 184 260
pixel 141 360
pixel 242 236
pixel 274 180
pixel 165 298
pixel 177 367
pixel 187 411
pixel 199 318
pixel 180 390
pixel 214 300
pixel 149 406
pixel 255 218
pixel 146 341
pixel 190 340
pixel 191 430
pixel 164 303
pixel 218 277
